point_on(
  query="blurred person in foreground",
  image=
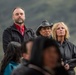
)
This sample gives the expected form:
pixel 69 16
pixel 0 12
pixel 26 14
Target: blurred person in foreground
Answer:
pixel 11 58
pixel 60 33
pixel 45 58
pixel 18 31
pixel 26 52
pixel 45 29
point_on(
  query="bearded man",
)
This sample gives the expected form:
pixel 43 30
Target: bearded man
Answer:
pixel 18 31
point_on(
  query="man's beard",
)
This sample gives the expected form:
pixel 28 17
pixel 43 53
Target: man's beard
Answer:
pixel 19 21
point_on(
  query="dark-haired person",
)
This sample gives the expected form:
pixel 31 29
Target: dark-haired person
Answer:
pixel 45 58
pixel 45 29
pixel 68 50
pixel 17 31
pixel 26 52
pixel 11 58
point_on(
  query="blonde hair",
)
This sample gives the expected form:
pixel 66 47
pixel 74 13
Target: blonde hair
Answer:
pixel 54 28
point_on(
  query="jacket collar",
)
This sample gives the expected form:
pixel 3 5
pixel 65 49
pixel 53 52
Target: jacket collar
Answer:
pixel 14 28
pixel 64 43
pixel 45 72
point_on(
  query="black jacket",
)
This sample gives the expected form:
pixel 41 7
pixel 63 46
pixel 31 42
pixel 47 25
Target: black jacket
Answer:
pixel 12 34
pixel 68 52
pixel 36 62
pixel 39 71
pixel 35 71
pixel 20 70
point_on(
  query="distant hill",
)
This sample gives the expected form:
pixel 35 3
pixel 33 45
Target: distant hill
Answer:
pixel 38 10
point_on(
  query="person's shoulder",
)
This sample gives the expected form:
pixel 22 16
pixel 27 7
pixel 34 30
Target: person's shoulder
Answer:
pixel 8 29
pixel 21 67
pixel 20 70
pixel 30 29
pixel 31 71
pixel 8 68
pixel 70 43
pixel 12 65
